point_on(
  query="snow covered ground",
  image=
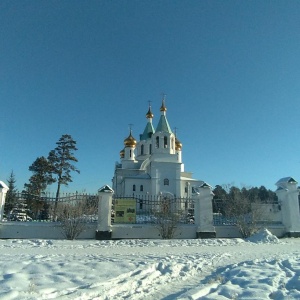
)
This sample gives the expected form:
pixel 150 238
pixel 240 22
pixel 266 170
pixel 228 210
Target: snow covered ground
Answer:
pixel 260 268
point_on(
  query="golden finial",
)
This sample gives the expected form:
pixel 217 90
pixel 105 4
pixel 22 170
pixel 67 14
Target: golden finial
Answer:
pixel 163 105
pixel 149 114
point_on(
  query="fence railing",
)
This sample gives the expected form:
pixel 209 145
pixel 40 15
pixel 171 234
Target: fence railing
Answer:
pixel 28 207
pixel 222 213
pixel 148 209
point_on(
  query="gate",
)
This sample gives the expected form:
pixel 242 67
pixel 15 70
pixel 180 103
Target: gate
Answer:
pixel 147 209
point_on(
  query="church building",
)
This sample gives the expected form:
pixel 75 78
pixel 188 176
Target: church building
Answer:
pixel 153 165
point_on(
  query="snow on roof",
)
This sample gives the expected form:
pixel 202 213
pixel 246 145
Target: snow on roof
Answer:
pixel 3 185
pixel 188 179
pixel 283 183
pixel 205 185
pixel 147 176
pixel 286 180
pixel 106 189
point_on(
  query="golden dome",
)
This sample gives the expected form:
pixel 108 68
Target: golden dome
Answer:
pixel 178 145
pixel 130 141
pixel 122 153
pixel 163 107
pixel 149 114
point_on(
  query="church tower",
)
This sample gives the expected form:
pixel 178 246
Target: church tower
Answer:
pixel 128 153
pixel 163 139
pixel 153 165
pixel 145 144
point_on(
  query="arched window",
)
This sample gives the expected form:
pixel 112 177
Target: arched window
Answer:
pixel 141 188
pixel 142 149
pixel 166 181
pixel 130 153
pixel 150 148
pixel 157 142
pixel 165 142
pixel 133 187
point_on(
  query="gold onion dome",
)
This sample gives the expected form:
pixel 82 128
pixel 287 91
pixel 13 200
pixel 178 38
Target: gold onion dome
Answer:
pixel 122 153
pixel 149 114
pixel 130 141
pixel 178 144
pixel 163 106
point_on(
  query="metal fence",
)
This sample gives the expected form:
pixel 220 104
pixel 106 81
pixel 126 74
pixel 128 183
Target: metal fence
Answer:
pixel 148 209
pixel 222 215
pixel 26 207
pixel 219 215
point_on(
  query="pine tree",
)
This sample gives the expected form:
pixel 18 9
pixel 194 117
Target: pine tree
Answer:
pixel 41 178
pixel 37 185
pixel 61 159
pixel 19 211
pixel 11 196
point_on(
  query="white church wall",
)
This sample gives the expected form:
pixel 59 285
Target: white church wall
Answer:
pixel 231 231
pixel 148 231
pixel 36 230
pixel 39 230
pixel 268 212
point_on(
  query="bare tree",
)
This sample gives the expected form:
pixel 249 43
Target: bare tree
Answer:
pixel 245 212
pixel 166 217
pixel 75 217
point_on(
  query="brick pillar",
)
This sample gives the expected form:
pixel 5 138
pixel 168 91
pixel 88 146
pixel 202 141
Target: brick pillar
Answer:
pixel 287 193
pixel 104 229
pixel 204 212
pixel 3 190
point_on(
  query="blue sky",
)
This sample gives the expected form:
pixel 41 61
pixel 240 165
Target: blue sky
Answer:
pixel 230 70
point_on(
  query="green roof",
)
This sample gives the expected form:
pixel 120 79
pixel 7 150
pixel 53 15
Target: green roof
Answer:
pixel 163 125
pixel 149 130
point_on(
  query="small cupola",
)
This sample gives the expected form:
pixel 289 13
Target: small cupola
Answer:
pixel 130 141
pixel 178 145
pixel 149 114
pixel 163 107
pixel 122 153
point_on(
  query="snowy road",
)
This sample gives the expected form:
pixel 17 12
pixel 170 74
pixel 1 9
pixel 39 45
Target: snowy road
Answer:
pixel 151 269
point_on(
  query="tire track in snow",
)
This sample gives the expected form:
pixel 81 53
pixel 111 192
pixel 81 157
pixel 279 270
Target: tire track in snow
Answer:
pixel 172 270
pixel 259 279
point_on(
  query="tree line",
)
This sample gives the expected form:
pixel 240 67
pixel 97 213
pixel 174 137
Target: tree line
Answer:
pixel 55 168
pixel 228 191
pixel 242 206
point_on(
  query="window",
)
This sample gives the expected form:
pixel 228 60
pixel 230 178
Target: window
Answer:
pixel 130 153
pixel 133 187
pixel 165 142
pixel 166 181
pixel 150 148
pixel 142 149
pixel 157 142
pixel 141 188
